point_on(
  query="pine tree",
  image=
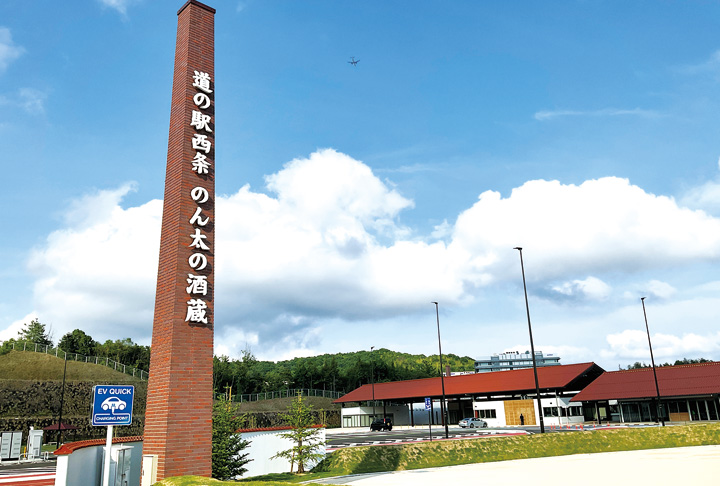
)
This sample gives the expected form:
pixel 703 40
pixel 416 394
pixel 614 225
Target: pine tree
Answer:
pixel 35 332
pixel 227 444
pixel 303 434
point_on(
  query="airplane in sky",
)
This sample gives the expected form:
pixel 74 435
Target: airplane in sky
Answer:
pixel 353 61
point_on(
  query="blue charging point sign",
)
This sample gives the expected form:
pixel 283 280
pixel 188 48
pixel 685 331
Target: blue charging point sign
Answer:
pixel 112 404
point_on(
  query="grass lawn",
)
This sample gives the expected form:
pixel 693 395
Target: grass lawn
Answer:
pixel 27 365
pixel 453 452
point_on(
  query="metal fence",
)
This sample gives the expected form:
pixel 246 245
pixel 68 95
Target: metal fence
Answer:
pixel 59 353
pixel 143 375
pixel 287 393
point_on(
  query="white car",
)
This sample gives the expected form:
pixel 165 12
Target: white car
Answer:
pixel 112 404
pixel 472 422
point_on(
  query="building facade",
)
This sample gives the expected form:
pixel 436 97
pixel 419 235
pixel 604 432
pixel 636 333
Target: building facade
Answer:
pixel 688 393
pixel 514 360
pixel 499 398
pixel 569 395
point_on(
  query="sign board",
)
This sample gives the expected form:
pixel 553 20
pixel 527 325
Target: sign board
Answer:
pixel 112 404
pixel 428 404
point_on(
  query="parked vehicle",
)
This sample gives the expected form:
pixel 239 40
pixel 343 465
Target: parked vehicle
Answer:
pixel 381 424
pixel 472 422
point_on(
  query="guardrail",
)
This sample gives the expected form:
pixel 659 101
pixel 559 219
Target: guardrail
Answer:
pixel 59 353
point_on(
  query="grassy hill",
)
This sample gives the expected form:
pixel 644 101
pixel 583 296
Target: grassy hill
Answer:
pixel 31 388
pixel 25 365
pixel 282 404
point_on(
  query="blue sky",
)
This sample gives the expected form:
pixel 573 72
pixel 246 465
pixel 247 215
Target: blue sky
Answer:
pixel 353 196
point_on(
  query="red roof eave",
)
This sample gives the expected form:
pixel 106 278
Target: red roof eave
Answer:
pixel 673 381
pixel 71 447
pixel 497 382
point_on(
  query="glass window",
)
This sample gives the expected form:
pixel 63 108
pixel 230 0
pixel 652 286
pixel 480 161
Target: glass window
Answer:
pixel 677 406
pixel 487 414
pixel 712 408
pixel 550 411
pixel 575 411
pixel 356 421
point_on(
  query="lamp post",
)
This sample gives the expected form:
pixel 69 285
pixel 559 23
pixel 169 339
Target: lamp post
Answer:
pixel 532 346
pixel 372 377
pixel 443 405
pixel 652 360
pixel 62 399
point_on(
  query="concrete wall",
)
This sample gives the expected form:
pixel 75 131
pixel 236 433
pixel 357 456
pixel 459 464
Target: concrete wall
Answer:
pixel 83 467
pixel 498 406
pixel 266 443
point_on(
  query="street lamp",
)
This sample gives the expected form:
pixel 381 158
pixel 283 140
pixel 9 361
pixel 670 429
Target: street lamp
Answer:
pixel 443 405
pixel 62 399
pixel 372 377
pixel 532 346
pixel 652 360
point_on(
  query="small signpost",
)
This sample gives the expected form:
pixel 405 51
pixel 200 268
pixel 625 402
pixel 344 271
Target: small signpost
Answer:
pixel 112 405
pixel 428 407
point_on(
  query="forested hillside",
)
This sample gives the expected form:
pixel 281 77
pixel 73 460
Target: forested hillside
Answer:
pixel 336 372
pixel 341 372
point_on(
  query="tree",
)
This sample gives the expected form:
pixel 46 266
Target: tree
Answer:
pixel 227 444
pixel 690 361
pixel 125 351
pixel 78 342
pixel 303 434
pixel 35 332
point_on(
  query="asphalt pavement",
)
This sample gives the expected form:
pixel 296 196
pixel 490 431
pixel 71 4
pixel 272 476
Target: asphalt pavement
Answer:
pixel 659 467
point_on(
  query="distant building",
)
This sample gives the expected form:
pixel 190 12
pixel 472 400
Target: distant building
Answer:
pixel 514 361
pixel 460 373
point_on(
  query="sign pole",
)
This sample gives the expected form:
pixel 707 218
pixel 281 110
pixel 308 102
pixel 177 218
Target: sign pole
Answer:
pixel 428 407
pixel 430 424
pixel 112 405
pixel 108 446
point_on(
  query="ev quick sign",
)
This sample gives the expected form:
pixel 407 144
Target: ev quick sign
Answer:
pixel 112 404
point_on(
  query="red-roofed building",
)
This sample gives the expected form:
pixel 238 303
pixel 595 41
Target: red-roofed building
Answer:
pixel 499 398
pixel 687 393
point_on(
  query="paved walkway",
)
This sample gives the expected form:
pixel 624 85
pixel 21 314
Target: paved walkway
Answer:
pixel 660 467
pixel 40 474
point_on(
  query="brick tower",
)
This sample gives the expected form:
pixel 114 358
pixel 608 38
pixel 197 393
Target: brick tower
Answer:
pixel 178 418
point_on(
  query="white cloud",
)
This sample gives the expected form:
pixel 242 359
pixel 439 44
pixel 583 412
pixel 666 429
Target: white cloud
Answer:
pixel 571 229
pixel 552 114
pixel 120 6
pixel 29 99
pixel 633 345
pixel 661 290
pixel 653 288
pixel 12 331
pixel 98 273
pixel 331 187
pixel 591 288
pixel 711 65
pixel 568 353
pixel 32 100
pixel 705 197
pixel 325 248
pixel 8 50
pixel 441 230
